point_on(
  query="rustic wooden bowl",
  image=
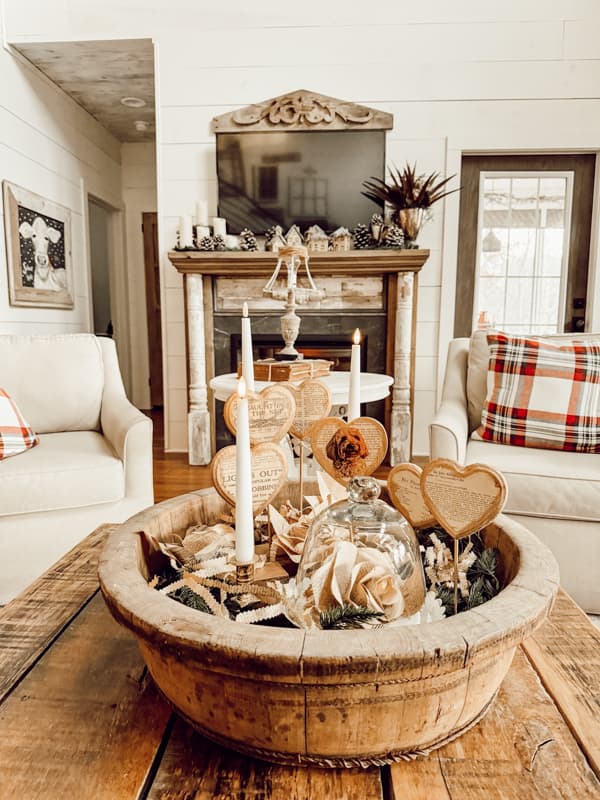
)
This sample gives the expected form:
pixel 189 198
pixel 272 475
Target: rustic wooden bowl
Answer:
pixel 331 698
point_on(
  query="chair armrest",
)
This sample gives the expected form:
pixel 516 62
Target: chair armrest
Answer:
pixel 127 429
pixel 449 431
pixel 130 435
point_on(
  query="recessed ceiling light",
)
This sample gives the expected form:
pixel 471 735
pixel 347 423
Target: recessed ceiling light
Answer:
pixel 133 102
pixel 141 125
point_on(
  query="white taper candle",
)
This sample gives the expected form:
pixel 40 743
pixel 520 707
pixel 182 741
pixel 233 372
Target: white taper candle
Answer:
pixel 247 355
pixel 244 520
pixel 354 393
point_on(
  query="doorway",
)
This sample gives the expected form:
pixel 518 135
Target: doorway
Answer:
pixel 524 243
pixel 153 311
pixel 99 221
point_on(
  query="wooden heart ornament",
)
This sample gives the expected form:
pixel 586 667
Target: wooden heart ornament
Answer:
pixel 313 402
pixel 271 413
pixel 345 451
pixel 404 488
pixel 462 499
pixel 269 474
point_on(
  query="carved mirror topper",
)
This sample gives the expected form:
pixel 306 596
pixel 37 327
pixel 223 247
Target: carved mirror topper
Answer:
pixel 304 111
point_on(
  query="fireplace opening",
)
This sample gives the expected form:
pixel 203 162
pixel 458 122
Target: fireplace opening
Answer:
pixel 333 344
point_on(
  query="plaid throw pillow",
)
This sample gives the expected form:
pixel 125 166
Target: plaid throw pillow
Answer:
pixel 543 395
pixel 15 434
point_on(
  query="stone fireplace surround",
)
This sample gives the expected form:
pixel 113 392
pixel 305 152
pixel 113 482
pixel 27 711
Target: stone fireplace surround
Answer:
pixel 399 271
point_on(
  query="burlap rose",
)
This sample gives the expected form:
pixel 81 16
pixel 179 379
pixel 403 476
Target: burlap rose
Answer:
pixel 360 576
pixel 346 449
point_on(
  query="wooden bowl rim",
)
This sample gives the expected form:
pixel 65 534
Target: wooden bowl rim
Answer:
pixel 292 654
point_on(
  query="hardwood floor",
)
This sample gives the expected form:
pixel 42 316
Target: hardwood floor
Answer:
pixel 172 473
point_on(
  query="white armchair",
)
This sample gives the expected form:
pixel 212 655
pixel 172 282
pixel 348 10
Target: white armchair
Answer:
pixel 553 493
pixel 94 460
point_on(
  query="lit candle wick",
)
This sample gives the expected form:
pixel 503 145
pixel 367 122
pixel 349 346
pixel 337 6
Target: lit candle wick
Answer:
pixel 356 336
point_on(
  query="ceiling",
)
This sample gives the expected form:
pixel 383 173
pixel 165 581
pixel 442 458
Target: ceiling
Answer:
pixel 98 74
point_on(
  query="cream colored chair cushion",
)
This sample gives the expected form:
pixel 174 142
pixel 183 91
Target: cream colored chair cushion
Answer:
pixel 56 381
pixel 544 483
pixel 66 470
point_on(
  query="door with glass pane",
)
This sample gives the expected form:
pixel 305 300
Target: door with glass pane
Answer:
pixel 522 251
pixel 524 243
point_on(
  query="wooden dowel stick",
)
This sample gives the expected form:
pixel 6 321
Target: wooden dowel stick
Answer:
pixel 456 576
pixel 301 467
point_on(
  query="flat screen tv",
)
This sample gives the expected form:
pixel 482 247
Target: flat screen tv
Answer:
pixel 291 177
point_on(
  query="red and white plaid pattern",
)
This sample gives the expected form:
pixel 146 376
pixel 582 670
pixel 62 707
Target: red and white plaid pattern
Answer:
pixel 543 395
pixel 15 434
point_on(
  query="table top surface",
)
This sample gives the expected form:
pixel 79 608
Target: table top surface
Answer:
pixel 372 386
pixel 80 717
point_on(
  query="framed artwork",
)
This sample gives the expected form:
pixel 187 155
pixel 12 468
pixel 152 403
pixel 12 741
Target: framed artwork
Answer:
pixel 38 249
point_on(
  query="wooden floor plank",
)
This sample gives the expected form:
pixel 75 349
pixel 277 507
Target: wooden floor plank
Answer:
pixel 30 622
pixel 86 722
pixel 192 768
pixel 566 654
pixel 521 750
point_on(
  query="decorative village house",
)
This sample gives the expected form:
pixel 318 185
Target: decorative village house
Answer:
pixel 316 239
pixel 277 240
pixel 341 240
pixel 293 237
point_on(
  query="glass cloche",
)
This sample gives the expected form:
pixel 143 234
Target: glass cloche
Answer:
pixel 363 552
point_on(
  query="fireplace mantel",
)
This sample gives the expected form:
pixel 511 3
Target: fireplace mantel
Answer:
pixel 353 262
pixel 400 267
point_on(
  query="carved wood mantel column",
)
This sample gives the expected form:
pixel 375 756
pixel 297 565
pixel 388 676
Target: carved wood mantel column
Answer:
pixel 402 268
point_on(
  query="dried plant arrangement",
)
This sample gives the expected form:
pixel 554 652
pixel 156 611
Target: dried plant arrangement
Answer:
pixel 406 189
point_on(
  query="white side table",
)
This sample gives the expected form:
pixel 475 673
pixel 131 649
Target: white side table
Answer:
pixel 372 387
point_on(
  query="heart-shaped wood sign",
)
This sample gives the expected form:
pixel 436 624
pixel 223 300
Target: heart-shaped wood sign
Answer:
pixel 271 412
pixel 404 487
pixel 345 451
pixel 462 498
pixel 313 402
pixel 269 474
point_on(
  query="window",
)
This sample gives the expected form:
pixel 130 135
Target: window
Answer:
pixel 524 242
pixel 522 251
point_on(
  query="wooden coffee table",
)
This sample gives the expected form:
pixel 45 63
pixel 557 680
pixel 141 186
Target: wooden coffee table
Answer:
pixel 80 717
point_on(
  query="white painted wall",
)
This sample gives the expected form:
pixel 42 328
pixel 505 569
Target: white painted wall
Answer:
pixel 459 77
pixel 51 146
pixel 138 169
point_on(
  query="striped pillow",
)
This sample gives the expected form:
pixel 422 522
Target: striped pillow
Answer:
pixel 542 395
pixel 15 434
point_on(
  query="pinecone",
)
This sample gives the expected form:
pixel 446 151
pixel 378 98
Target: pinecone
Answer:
pixel 269 235
pixel 376 219
pixel 361 237
pixel 248 240
pixel 394 237
pixel 219 243
pixel 206 243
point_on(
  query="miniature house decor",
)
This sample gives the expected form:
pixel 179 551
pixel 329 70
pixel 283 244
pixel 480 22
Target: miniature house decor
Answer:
pixel 316 239
pixel 293 237
pixel 341 240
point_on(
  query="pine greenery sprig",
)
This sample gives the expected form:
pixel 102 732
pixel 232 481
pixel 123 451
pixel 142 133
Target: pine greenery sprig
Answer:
pixel 189 598
pixel 348 616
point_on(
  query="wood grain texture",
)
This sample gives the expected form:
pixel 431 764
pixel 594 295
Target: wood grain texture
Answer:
pixel 522 750
pixel 86 722
pixel 295 696
pixel 193 767
pixel 29 624
pixel 566 654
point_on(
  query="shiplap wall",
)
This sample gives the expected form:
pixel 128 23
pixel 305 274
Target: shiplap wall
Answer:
pixel 459 77
pixel 51 146
pixel 138 170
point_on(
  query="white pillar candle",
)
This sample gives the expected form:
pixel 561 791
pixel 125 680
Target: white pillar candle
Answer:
pixel 201 212
pixel 354 393
pixel 219 226
pixel 247 356
pixel 244 520
pixel 186 234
